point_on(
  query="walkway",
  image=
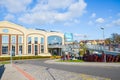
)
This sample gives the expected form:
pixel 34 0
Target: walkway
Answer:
pixel 34 72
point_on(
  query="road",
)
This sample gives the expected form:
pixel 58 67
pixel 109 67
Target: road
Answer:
pixel 108 72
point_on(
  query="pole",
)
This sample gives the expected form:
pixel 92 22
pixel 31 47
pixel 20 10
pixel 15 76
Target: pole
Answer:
pixel 11 57
pixel 103 44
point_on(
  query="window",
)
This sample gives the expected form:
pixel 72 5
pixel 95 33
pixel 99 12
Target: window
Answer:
pixel 54 40
pixel 42 40
pixel 20 49
pixel 42 48
pixel 29 40
pixel 5 39
pixel 29 49
pixel 36 49
pixel 13 49
pixel 13 39
pixel 5 30
pixel 20 40
pixel 36 40
pixel 4 49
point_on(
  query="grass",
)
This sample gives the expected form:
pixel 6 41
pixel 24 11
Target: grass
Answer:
pixel 5 62
pixel 70 61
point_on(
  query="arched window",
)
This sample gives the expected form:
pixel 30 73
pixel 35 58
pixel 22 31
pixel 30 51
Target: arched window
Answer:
pixel 54 40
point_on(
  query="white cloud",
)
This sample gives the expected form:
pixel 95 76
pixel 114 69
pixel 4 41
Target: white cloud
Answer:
pixel 100 20
pixel 79 35
pixel 67 24
pixel 76 21
pixel 50 11
pixel 90 23
pixel 93 15
pixel 15 6
pixel 9 17
pixel 116 22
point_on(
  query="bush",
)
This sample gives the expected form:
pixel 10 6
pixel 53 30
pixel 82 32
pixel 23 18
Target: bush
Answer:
pixel 55 57
pixel 22 57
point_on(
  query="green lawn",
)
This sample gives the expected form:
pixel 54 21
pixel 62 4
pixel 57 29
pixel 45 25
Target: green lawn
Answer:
pixel 70 61
pixel 5 62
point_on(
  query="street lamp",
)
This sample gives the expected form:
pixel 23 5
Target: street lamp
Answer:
pixel 104 44
pixel 11 56
pixel 11 51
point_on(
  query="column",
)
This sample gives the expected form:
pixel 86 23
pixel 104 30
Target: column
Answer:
pixel 32 48
pixel 39 48
pixel 9 45
pixel 24 46
pixel 0 44
pixel 45 45
pixel 17 45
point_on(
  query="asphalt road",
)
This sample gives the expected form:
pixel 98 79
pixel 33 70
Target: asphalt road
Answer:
pixel 108 72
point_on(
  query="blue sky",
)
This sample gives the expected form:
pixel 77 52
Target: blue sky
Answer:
pixel 80 17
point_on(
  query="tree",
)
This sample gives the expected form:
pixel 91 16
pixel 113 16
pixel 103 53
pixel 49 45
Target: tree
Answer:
pixel 108 41
pixel 115 39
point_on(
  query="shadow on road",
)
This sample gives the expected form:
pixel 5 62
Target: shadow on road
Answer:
pixel 2 69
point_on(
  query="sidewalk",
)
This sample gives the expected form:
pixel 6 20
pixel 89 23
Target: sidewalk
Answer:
pixel 11 73
pixel 43 73
pixel 98 64
pixel 46 73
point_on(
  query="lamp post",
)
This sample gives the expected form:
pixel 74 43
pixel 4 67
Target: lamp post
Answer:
pixel 11 56
pixel 11 51
pixel 104 44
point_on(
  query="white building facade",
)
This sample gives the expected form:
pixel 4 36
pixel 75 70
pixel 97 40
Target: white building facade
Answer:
pixel 21 41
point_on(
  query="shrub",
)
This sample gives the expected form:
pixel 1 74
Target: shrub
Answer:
pixel 55 57
pixel 22 57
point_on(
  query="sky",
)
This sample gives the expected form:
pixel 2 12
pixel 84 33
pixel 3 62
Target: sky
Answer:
pixel 83 18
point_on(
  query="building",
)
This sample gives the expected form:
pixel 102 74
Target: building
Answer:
pixel 19 40
pixel 92 42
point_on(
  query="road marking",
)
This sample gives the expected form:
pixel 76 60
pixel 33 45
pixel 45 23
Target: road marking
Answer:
pixel 24 73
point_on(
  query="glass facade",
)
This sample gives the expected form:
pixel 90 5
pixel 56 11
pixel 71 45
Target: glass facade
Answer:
pixel 54 40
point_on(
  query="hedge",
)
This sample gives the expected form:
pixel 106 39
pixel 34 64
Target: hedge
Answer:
pixel 55 57
pixel 22 57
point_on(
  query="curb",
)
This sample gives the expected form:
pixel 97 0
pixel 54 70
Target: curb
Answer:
pixel 93 64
